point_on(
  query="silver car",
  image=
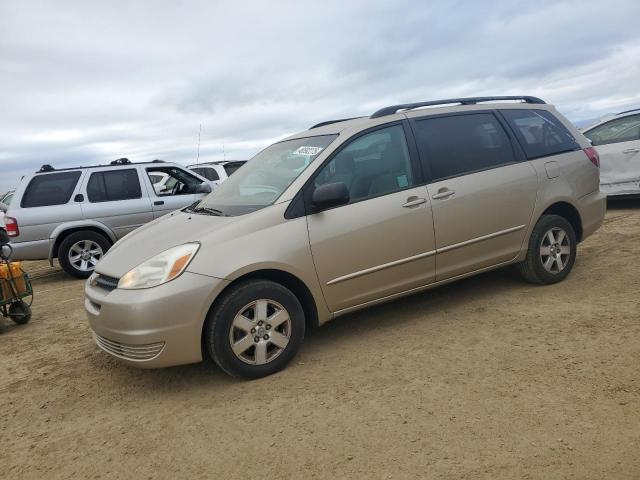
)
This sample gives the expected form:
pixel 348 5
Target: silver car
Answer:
pixel 76 214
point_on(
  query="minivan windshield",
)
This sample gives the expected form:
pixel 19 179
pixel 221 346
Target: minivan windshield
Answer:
pixel 261 181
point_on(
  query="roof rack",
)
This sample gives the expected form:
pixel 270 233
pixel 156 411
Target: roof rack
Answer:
pixel 121 161
pixel 46 168
pixel 463 101
pixel 329 122
pixel 628 111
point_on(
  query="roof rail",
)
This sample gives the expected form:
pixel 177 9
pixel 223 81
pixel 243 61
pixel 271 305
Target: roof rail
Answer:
pixel 46 168
pixel 463 101
pixel 628 111
pixel 329 122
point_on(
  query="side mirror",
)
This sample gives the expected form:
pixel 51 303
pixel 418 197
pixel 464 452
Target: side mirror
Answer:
pixel 330 195
pixel 203 188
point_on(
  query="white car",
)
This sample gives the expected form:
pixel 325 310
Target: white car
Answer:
pixel 217 172
pixel 617 140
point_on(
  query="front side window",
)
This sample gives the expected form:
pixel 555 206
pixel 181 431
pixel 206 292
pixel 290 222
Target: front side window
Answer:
pixel 266 176
pixel 114 185
pixel 459 144
pixel 175 181
pixel 50 189
pixel 540 133
pixel 374 164
pixel 624 129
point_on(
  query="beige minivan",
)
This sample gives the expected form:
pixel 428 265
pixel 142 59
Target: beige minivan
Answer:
pixel 345 215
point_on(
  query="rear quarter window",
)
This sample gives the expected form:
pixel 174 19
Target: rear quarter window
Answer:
pixel 540 133
pixel 50 189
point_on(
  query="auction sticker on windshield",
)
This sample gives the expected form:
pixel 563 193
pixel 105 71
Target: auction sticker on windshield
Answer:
pixel 307 151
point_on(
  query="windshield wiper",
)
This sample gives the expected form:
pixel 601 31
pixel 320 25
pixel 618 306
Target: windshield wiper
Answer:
pixel 208 211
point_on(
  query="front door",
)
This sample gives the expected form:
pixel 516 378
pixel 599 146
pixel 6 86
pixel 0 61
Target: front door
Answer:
pixel 178 191
pixel 482 198
pixel 381 242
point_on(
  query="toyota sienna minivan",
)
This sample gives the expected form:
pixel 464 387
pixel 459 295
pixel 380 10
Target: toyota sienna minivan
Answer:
pixel 345 215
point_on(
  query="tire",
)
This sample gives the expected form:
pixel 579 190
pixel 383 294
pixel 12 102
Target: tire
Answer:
pixel 250 314
pixel 73 246
pixel 549 261
pixel 20 312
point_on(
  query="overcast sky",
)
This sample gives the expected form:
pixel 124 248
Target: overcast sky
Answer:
pixel 87 82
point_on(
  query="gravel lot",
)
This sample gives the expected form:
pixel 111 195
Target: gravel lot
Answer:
pixel 485 378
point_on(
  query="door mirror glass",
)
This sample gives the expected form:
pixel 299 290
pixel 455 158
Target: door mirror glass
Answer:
pixel 330 195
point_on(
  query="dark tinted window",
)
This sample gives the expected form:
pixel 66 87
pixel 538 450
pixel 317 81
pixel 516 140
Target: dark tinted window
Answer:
pixel 374 164
pixel 207 172
pixel 459 144
pixel 625 129
pixel 113 185
pixel 232 167
pixel 540 133
pixel 50 189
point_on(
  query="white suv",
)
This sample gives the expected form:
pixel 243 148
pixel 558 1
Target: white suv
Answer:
pixel 217 172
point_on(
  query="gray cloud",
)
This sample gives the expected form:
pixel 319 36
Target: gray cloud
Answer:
pixel 84 83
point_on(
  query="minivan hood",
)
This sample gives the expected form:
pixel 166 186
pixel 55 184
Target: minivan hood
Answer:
pixel 174 229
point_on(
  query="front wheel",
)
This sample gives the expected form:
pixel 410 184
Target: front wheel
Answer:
pixel 255 329
pixel 551 253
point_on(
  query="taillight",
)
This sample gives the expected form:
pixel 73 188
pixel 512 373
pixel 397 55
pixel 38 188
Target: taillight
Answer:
pixel 12 226
pixel 592 154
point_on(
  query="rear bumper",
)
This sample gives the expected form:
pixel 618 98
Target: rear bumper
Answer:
pixel 592 208
pixel 35 250
pixel 153 327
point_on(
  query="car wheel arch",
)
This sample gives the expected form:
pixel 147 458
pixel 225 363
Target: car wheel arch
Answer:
pixel 284 278
pixel 59 236
pixel 568 212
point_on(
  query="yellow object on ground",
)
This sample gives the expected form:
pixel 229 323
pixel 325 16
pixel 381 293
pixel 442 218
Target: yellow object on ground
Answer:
pixel 11 271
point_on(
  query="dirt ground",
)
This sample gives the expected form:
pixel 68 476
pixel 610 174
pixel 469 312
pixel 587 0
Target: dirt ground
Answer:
pixel 485 378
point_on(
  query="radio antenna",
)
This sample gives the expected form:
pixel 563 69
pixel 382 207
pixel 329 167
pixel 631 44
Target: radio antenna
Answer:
pixel 198 155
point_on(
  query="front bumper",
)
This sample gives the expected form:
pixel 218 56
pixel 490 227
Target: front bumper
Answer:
pixel 153 327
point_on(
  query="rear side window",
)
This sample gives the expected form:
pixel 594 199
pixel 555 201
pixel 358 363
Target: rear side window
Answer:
pixel 232 167
pixel 459 144
pixel 114 185
pixel 626 129
pixel 50 189
pixel 207 172
pixel 540 133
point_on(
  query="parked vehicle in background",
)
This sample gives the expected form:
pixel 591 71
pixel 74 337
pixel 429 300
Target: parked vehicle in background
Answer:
pixel 346 215
pixel 5 201
pixel 617 141
pixel 76 214
pixel 217 172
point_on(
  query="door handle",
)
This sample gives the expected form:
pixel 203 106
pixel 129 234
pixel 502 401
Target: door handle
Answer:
pixel 631 150
pixel 446 193
pixel 158 202
pixel 414 202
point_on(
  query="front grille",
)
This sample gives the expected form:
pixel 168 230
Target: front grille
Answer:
pixel 108 283
pixel 129 352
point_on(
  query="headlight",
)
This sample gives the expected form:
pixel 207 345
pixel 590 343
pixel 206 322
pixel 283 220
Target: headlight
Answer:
pixel 160 269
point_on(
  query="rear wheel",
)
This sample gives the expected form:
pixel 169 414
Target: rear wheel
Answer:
pixel 80 252
pixel 255 329
pixel 551 253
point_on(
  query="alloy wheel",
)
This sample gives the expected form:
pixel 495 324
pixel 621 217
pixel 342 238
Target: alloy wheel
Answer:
pixel 555 250
pixel 85 254
pixel 260 332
